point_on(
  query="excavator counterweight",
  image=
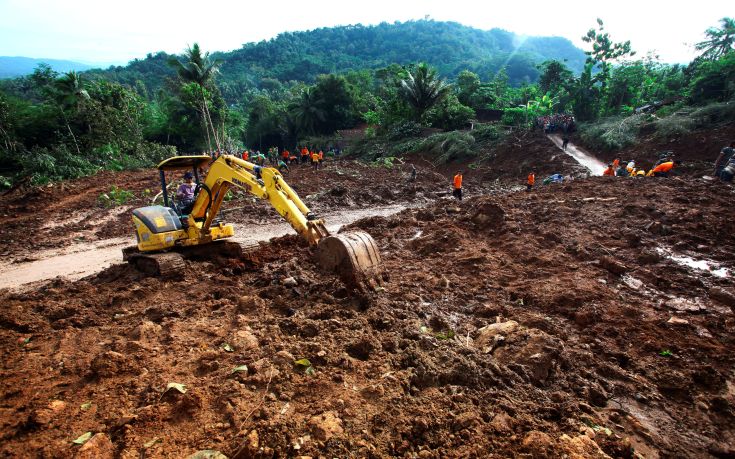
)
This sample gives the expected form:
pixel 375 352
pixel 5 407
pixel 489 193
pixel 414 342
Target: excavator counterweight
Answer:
pixel 166 233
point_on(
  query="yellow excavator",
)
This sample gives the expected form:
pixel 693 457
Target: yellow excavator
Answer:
pixel 168 233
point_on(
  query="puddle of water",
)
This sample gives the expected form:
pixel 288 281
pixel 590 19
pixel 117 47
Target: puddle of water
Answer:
pixel 702 265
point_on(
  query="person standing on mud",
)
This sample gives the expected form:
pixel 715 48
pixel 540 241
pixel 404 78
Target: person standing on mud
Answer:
pixel 724 157
pixel 530 181
pixel 412 174
pixel 315 160
pixel 565 141
pixel 457 182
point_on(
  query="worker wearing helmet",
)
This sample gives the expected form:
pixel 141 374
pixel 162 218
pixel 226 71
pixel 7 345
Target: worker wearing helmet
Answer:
pixel 663 169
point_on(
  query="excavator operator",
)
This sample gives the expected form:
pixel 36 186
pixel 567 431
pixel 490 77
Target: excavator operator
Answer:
pixel 185 194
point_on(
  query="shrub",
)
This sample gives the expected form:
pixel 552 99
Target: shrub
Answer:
pixel 449 146
pixel 403 130
pixel 115 197
pixel 486 132
pixel 612 133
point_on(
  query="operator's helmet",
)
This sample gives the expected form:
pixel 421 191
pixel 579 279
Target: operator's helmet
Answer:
pixel 188 175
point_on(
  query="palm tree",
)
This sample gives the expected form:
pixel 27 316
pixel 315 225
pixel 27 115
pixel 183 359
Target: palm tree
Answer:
pixel 68 91
pixel 422 89
pixel 719 41
pixel 200 69
pixel 196 67
pixel 308 111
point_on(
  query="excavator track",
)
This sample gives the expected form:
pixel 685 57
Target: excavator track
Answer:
pixel 166 265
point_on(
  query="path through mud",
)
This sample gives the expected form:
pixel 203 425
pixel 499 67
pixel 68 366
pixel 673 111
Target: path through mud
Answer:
pixel 83 259
pixel 595 166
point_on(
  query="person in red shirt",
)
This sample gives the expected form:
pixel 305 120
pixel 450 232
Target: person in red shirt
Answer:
pixel 610 171
pixel 457 182
pixel 531 181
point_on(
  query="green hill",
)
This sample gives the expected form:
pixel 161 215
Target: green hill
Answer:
pixel 301 56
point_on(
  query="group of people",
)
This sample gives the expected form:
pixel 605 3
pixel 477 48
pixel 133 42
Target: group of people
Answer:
pixel 282 160
pixel 662 168
pixel 552 123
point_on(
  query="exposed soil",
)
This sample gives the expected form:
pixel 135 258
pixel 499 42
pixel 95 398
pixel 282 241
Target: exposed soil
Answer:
pixel 557 323
pixel 71 212
pixel 697 150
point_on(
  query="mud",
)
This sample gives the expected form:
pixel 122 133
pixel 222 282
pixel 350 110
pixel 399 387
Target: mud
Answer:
pixel 541 324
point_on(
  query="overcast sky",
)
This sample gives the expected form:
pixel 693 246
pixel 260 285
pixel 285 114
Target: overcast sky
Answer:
pixel 103 31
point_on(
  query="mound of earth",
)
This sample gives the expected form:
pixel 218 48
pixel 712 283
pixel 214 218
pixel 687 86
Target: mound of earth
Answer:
pixel 560 322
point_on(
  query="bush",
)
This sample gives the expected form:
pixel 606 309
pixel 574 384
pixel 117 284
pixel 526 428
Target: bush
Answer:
pixel 449 146
pixel 44 165
pixel 673 126
pixel 612 133
pixel 486 133
pixel 402 130
pixel 115 197
pixel 716 113
pixel 516 117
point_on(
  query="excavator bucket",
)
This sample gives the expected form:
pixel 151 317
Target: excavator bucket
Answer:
pixel 354 257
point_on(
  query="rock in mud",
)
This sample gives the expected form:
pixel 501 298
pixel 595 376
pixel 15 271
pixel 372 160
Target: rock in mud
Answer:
pixel 538 444
pixel 207 454
pixel 325 426
pixel 534 350
pixel 98 447
pixel 486 338
pixel 488 215
pixel 245 340
pixel 146 332
pixel 112 363
pixel 289 282
pixel 250 303
pixel 613 266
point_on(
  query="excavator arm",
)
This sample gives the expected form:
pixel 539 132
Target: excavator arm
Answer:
pixel 263 182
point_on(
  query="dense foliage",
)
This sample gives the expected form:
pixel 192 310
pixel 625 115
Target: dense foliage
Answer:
pixel 281 93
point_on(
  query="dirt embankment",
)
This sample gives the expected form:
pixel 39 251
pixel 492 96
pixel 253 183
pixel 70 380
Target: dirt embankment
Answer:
pixel 697 150
pixel 542 324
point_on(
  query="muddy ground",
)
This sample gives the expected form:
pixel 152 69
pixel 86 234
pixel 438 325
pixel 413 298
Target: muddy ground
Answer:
pixel 560 322
pixel 61 214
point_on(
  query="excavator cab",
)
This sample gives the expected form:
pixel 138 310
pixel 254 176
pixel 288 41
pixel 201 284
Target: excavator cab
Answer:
pixel 193 164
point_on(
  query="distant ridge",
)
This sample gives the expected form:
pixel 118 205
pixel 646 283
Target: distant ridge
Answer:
pixel 12 67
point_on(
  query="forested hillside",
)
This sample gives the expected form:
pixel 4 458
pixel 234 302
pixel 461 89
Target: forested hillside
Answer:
pixel 302 56
pixel 304 88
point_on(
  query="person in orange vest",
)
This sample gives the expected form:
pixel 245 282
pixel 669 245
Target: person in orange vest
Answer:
pixel 315 160
pixel 610 171
pixel 245 155
pixel 663 169
pixel 285 155
pixel 304 154
pixel 531 181
pixel 457 182
pixel 321 156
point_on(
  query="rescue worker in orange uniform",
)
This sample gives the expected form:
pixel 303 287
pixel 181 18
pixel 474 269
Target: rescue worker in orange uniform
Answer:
pixel 245 155
pixel 457 193
pixel 531 181
pixel 610 171
pixel 304 155
pixel 315 160
pixel 663 169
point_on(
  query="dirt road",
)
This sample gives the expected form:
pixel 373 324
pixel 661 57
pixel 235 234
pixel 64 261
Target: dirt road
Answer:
pixel 586 159
pixel 83 259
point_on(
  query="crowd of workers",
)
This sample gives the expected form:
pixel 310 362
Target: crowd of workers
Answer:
pixel 662 168
pixel 284 159
pixel 558 121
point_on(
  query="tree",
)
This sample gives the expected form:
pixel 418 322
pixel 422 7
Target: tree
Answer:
pixel 308 111
pixel 604 54
pixel 197 67
pixel 422 89
pixel 719 42
pixel 555 76
pixel 196 76
pixel 467 83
